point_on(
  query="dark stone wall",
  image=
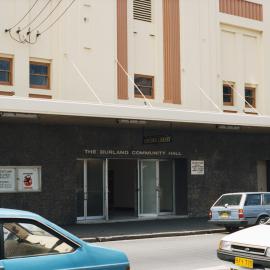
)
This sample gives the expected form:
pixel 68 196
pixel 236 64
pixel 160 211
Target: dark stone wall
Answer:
pixel 230 162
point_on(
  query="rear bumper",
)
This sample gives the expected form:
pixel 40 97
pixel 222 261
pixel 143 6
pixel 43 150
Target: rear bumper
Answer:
pixel 258 261
pixel 233 223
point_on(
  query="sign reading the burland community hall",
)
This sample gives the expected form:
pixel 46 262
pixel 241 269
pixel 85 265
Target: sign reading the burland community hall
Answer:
pixel 197 167
pixel 7 179
pixel 29 179
pixel 132 153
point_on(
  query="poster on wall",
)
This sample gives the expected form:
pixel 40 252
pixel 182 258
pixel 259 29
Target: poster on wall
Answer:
pixel 197 167
pixel 7 179
pixel 29 179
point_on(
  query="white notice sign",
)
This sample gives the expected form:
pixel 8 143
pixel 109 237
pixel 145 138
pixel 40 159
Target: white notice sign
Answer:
pixel 7 179
pixel 29 179
pixel 197 167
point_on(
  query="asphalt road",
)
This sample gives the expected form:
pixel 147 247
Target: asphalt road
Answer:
pixel 172 253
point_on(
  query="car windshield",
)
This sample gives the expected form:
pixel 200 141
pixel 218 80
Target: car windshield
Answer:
pixel 233 199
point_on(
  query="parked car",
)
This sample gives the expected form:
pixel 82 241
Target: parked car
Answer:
pixel 247 249
pixel 234 210
pixel 30 242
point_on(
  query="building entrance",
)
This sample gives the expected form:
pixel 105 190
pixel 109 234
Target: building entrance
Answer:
pixel 115 189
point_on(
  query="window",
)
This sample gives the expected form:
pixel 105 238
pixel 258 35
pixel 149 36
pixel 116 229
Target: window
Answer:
pixel 5 71
pixel 266 199
pixel 228 94
pixel 250 96
pixel 39 75
pixel 23 239
pixel 229 199
pixel 145 84
pixel 253 199
pixel 142 10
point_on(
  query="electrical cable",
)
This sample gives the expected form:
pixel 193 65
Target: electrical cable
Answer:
pixel 44 7
pixel 59 17
pixel 46 18
pixel 7 30
pixel 11 36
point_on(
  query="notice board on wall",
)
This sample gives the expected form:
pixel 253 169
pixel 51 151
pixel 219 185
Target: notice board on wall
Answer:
pixel 197 167
pixel 20 179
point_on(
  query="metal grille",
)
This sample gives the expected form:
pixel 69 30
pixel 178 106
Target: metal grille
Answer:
pixel 142 10
pixel 248 249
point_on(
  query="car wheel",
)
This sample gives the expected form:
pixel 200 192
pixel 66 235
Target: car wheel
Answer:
pixel 262 220
pixel 231 229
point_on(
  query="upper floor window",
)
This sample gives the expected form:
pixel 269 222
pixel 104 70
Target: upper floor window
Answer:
pixel 5 71
pixel 39 75
pixel 145 84
pixel 142 10
pixel 250 96
pixel 228 94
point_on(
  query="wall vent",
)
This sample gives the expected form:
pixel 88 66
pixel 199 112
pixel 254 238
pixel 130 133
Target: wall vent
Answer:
pixel 142 10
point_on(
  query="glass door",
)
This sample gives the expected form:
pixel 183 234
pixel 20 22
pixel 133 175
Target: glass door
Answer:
pixel 166 187
pixel 95 195
pixel 148 183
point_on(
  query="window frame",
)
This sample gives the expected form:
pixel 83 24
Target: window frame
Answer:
pixel 48 85
pixel 153 86
pixel 231 86
pixel 253 89
pixel 10 60
pixel 41 225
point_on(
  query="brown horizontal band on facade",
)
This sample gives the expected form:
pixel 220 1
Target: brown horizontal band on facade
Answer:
pixel 251 113
pixel 229 111
pixel 7 93
pixel 242 8
pixel 40 96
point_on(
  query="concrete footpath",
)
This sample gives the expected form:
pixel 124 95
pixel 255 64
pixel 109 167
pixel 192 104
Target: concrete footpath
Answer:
pixel 143 229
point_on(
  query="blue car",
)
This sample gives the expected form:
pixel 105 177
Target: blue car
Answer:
pixel 30 242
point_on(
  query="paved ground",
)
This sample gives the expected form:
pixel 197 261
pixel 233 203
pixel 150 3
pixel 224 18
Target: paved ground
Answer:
pixel 173 253
pixel 142 229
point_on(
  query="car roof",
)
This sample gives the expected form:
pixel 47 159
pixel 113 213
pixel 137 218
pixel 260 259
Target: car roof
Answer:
pixel 14 213
pixel 256 192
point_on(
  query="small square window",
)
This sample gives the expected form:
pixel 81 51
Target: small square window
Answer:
pixel 250 97
pixel 40 75
pixel 5 71
pixel 145 84
pixel 228 94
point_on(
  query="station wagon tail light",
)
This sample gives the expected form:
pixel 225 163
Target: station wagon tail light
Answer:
pixel 210 214
pixel 241 213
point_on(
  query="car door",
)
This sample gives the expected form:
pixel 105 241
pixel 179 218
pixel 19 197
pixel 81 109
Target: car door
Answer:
pixel 28 245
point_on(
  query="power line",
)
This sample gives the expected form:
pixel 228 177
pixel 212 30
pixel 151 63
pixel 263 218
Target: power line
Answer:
pixel 7 30
pixel 44 7
pixel 46 18
pixel 59 17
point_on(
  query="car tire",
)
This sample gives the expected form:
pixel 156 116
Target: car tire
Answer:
pixel 231 229
pixel 262 220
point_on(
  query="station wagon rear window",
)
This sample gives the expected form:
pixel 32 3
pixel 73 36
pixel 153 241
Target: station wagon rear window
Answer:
pixel 232 200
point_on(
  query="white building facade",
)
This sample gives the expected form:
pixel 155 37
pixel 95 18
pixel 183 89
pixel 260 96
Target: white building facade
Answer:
pixel 127 109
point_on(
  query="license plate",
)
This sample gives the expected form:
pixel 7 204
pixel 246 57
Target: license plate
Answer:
pixel 224 214
pixel 247 263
